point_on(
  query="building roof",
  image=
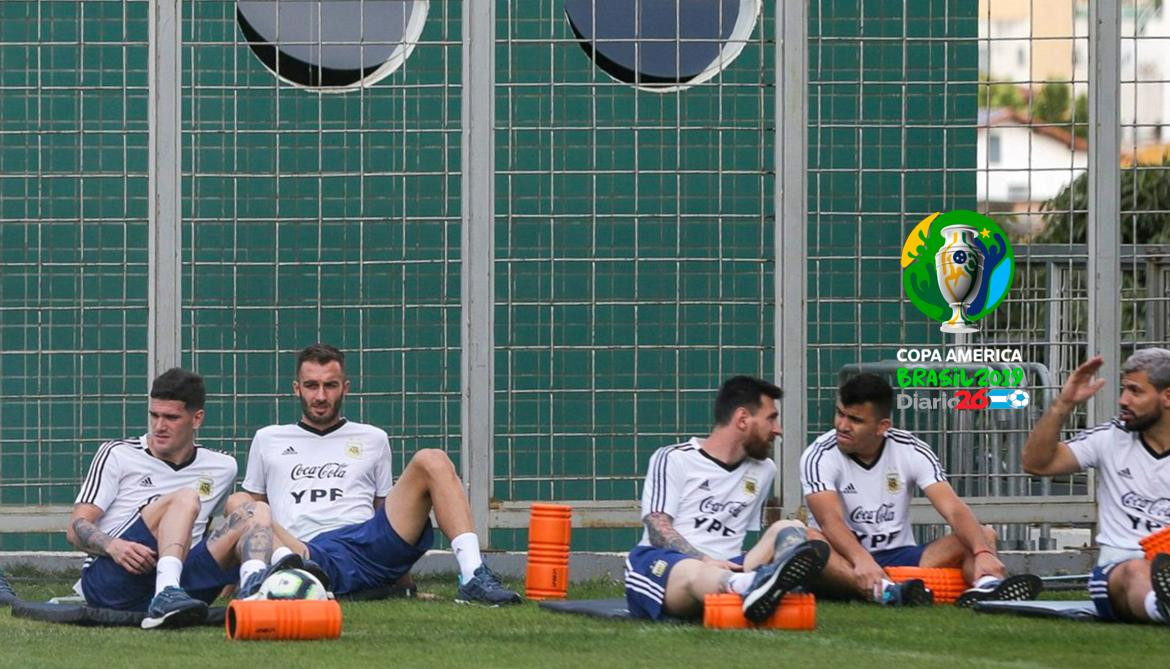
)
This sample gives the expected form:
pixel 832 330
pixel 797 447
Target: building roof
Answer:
pixel 1061 132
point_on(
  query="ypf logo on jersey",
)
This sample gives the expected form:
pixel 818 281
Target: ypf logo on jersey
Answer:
pixel 956 268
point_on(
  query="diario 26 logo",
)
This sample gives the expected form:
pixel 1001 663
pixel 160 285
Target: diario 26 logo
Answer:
pixel 956 268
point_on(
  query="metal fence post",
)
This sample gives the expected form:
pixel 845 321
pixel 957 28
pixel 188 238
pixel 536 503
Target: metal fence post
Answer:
pixel 1104 215
pixel 791 207
pixel 164 146
pixel 477 280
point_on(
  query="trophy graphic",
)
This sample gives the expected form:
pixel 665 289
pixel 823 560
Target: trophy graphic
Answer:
pixel 959 268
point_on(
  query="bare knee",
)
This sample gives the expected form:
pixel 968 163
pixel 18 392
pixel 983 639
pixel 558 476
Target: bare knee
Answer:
pixel 990 535
pixel 184 499
pixel 251 513
pixel 1130 574
pixel 434 462
pixel 235 501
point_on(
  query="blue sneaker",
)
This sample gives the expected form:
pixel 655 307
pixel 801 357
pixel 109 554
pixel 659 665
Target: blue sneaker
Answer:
pixel 1018 588
pixel 173 607
pixel 1160 582
pixel 911 592
pixel 250 587
pixel 791 568
pixel 485 588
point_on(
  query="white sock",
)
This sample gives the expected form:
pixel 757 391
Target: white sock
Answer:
pixel 251 567
pixel 1152 608
pixel 168 571
pixel 466 549
pixel 985 581
pixel 880 589
pixel 741 582
pixel 277 555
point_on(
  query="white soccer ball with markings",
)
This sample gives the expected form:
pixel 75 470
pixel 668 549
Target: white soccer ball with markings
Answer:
pixel 292 584
pixel 1018 399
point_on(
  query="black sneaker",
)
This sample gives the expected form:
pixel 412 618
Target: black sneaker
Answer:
pixel 1018 588
pixel 173 607
pixel 249 588
pixel 911 592
pixel 794 566
pixel 1160 582
pixel 485 588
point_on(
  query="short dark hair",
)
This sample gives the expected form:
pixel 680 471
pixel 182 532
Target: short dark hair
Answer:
pixel 868 388
pixel 742 391
pixel 322 354
pixel 180 385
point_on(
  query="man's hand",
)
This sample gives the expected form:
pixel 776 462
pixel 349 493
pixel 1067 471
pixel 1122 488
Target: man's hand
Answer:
pixel 722 564
pixel 1081 384
pixel 131 556
pixel 867 575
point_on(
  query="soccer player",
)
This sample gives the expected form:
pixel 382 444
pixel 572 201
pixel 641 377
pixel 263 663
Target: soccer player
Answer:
pixel 700 499
pixel 328 482
pixel 1131 454
pixel 147 499
pixel 856 479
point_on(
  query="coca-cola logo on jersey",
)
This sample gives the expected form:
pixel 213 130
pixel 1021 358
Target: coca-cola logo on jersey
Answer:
pixel 709 505
pixel 329 470
pixel 1158 509
pixel 882 514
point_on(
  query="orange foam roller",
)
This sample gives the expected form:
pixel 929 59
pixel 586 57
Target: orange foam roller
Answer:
pixel 1158 542
pixel 947 583
pixel 283 620
pixel 796 611
pixel 547 574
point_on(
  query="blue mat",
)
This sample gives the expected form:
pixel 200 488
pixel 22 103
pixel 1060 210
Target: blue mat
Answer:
pixel 1082 610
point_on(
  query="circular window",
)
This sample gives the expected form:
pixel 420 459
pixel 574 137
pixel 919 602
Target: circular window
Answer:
pixel 662 45
pixel 332 44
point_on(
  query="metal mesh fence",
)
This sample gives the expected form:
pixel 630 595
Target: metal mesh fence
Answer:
pixel 72 241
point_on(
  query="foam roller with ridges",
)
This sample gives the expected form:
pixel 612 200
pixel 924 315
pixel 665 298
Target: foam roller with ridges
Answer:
pixel 947 583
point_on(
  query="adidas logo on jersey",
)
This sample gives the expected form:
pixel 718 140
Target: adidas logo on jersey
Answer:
pixel 289 451
pixel 705 485
pixel 1125 473
pixel 850 490
pixel 146 483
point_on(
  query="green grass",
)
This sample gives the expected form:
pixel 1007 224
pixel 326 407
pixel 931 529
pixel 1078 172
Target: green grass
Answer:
pixel 401 633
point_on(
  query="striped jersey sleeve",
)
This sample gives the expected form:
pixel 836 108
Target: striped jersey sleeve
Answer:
pixel 100 486
pixel 925 468
pixel 1087 445
pixel 818 466
pixel 664 482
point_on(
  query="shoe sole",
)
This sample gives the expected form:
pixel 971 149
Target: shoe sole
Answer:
pixel 808 560
pixel 1160 579
pixel 185 617
pixel 1018 588
pixel 490 605
pixel 914 593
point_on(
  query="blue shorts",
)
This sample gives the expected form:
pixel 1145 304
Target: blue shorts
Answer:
pixel 903 556
pixel 1099 591
pixel 647 571
pixel 367 555
pixel 107 585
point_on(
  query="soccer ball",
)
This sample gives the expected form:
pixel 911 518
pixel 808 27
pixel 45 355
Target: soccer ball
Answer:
pixel 1018 399
pixel 292 584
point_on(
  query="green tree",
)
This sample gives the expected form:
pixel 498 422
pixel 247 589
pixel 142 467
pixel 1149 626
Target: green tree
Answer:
pixel 1081 116
pixel 1000 94
pixel 1052 103
pixel 1145 205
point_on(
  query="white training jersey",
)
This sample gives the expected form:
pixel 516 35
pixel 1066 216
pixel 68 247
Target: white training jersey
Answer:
pixel 713 504
pixel 1133 483
pixel 316 480
pixel 875 498
pixel 124 477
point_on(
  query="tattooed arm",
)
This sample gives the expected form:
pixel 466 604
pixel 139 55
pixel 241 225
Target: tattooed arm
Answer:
pixel 84 534
pixel 660 529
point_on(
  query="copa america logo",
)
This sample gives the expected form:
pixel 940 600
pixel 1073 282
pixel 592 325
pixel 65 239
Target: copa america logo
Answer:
pixel 956 268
